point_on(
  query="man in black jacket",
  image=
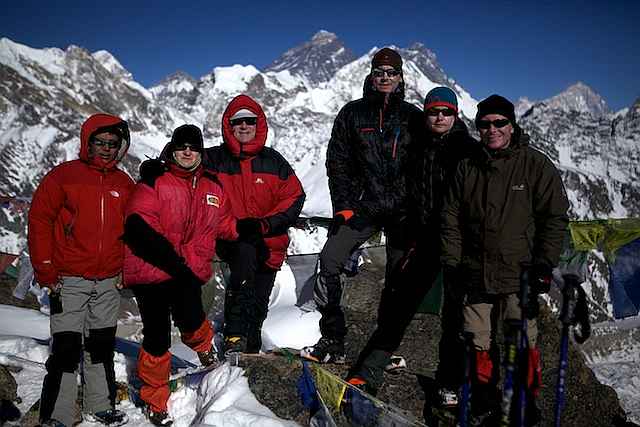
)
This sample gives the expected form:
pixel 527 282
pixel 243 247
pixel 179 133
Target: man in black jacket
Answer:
pixel 367 158
pixel 446 143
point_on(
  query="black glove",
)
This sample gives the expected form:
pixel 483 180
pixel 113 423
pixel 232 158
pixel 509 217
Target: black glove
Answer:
pixel 338 221
pixel 355 222
pixel 358 223
pixel 540 277
pixel 249 230
pixel 150 170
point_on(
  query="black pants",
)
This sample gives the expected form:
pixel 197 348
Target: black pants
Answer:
pixel 336 251
pixel 247 295
pixel 451 348
pixel 160 302
pixel 405 289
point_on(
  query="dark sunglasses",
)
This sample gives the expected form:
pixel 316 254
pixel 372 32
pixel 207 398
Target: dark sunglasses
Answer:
pixel 251 121
pixel 109 144
pixel 379 73
pixel 447 112
pixel 182 147
pixel 498 123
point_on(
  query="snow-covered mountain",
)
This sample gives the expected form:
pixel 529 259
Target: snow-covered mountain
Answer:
pixel 597 154
pixel 317 60
pixel 578 98
pixel 45 94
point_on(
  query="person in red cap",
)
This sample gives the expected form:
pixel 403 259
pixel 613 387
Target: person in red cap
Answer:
pixel 266 197
pixel 75 223
pixel 367 160
pixel 504 214
pixel 173 219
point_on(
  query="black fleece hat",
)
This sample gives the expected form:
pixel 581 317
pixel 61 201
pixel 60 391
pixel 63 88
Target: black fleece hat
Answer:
pixel 187 134
pixel 496 104
pixel 387 56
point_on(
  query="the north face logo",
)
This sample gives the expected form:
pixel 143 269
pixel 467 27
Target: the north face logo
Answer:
pixel 259 180
pixel 213 200
pixel 518 187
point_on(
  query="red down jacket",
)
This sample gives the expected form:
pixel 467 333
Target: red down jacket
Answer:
pixel 191 211
pixel 77 212
pixel 259 181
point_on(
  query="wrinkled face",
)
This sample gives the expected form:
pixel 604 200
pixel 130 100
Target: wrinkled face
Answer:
pixel 244 129
pixel 385 79
pixel 104 146
pixel 495 131
pixel 440 119
pixel 186 158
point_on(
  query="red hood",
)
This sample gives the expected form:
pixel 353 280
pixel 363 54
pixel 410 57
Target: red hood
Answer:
pixel 100 123
pixel 254 146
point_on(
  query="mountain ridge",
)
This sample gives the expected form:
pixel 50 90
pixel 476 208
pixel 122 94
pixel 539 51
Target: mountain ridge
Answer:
pixel 45 94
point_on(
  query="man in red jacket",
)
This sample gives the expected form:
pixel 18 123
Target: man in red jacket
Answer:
pixel 266 197
pixel 75 223
pixel 173 220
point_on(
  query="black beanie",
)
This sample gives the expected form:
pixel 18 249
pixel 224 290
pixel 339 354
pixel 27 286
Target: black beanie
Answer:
pixel 187 134
pixel 496 104
pixel 387 56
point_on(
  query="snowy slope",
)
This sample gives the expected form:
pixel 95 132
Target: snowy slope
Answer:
pixel 223 398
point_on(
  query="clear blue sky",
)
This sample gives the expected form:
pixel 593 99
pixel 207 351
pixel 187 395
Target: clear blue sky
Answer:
pixel 535 49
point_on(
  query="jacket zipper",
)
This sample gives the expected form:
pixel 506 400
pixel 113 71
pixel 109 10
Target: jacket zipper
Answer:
pixel 100 240
pixel 395 144
pixel 192 194
pixel 430 196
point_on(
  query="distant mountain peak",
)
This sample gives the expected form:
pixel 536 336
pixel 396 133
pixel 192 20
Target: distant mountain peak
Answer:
pixel 427 62
pixel 176 85
pixel 108 61
pixel 178 75
pixel 581 98
pixel 323 36
pixel 421 48
pixel 317 60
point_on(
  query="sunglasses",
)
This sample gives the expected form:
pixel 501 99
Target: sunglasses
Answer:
pixel 498 123
pixel 183 147
pixel 250 121
pixel 109 144
pixel 390 73
pixel 447 112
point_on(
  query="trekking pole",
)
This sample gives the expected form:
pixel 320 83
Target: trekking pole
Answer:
pixel 511 352
pixel 574 311
pixel 465 395
pixel 528 309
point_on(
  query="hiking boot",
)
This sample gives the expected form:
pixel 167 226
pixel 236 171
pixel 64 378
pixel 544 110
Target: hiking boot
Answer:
pixel 326 350
pixel 235 344
pixel 209 357
pixel 160 418
pixel 109 417
pixel 447 398
pixel 485 405
pixel 52 423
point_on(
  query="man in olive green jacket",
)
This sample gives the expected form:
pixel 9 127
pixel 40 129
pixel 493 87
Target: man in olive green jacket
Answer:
pixel 506 211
